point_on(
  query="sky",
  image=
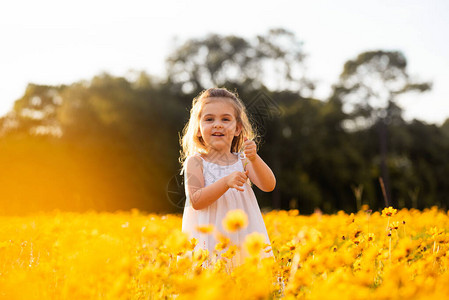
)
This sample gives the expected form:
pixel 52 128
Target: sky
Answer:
pixel 54 42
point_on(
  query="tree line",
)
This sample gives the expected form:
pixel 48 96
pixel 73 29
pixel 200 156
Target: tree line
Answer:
pixel 112 143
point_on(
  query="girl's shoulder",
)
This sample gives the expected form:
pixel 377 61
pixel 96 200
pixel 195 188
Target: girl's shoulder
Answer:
pixel 196 156
pixel 194 160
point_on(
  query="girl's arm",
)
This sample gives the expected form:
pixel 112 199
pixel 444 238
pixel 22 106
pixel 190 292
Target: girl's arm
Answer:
pixel 259 172
pixel 200 196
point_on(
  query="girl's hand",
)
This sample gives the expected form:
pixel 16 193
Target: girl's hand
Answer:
pixel 250 149
pixel 236 180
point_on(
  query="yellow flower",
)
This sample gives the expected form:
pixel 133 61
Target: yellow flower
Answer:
pixel 205 228
pixel 434 231
pixel 177 242
pixel 254 242
pixel 231 252
pixel 389 212
pixel 193 243
pixel 223 242
pixel 200 255
pixel 289 246
pixel 219 265
pixel 235 220
pixel 394 225
pixel 358 240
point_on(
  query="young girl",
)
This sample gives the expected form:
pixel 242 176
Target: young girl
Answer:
pixel 216 173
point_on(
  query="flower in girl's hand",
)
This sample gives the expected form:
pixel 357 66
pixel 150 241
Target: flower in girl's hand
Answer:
pixel 249 149
pixel 254 242
pixel 205 228
pixel 245 163
pixel 235 220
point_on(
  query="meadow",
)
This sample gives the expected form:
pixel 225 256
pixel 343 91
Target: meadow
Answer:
pixel 389 254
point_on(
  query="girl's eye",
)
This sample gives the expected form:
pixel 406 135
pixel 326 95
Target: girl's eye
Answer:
pixel 209 119
pixel 225 119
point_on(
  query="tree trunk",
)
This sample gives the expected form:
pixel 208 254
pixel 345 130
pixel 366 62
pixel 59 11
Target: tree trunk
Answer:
pixel 383 160
pixel 276 194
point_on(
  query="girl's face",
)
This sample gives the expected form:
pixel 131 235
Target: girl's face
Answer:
pixel 218 124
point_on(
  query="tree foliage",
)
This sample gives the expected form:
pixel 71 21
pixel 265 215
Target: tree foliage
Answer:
pixel 274 59
pixel 370 84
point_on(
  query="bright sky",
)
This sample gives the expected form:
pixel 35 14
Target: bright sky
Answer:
pixel 63 41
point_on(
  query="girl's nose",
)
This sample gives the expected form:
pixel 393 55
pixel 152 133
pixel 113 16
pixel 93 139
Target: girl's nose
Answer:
pixel 218 125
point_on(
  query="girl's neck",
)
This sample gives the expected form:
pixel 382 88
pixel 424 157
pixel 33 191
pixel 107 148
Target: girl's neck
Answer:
pixel 220 157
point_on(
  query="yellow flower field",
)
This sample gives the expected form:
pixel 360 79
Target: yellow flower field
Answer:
pixel 394 254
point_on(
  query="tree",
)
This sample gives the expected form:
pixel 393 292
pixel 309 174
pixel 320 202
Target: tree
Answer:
pixel 217 60
pixel 369 87
pixel 35 112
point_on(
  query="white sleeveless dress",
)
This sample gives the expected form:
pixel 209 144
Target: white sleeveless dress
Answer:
pixel 214 213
